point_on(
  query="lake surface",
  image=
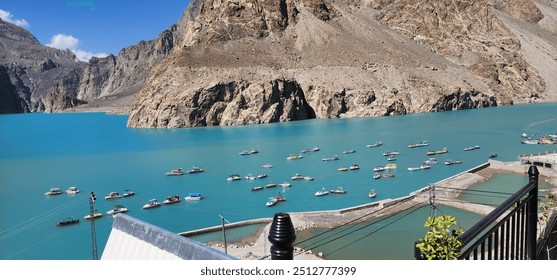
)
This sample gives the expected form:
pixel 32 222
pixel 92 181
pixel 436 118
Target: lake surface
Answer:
pixel 97 153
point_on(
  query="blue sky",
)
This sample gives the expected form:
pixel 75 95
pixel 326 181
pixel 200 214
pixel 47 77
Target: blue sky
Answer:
pixel 93 26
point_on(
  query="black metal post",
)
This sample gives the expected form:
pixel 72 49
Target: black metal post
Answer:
pixel 531 231
pixel 282 235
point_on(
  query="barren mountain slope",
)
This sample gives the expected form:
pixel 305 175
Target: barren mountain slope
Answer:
pixel 248 62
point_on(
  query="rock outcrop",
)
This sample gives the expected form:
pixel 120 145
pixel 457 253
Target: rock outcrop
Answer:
pixel 28 69
pixel 249 62
pixel 110 81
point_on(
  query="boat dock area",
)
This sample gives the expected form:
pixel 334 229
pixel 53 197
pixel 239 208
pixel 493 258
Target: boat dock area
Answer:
pixel 546 160
pixel 446 192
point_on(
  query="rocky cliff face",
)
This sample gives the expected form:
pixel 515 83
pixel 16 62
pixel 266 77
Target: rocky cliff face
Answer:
pixel 28 69
pixel 250 62
pixel 110 81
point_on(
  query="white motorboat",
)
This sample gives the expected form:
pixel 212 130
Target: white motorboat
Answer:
pixel 261 176
pixel 354 167
pixel 342 169
pixel 54 191
pixel 72 190
pixel 471 148
pixel 128 193
pixel 193 196
pixel 112 195
pixel 175 172
pixel 339 190
pixel 234 177
pixel 271 202
pixel 322 192
pixel 376 144
pixel 195 169
pixel 285 184
pixel 152 204
pixel 267 165
pixel 250 177
pixel 372 193
pixel 117 209
pixel 297 176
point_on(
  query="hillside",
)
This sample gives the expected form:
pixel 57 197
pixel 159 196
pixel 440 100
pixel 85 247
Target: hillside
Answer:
pixel 249 62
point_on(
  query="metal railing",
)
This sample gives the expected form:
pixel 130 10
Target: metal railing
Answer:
pixel 510 231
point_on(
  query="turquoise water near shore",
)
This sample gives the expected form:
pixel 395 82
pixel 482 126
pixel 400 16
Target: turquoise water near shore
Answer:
pixel 96 152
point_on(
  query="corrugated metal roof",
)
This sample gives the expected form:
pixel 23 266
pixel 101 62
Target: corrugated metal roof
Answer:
pixel 133 239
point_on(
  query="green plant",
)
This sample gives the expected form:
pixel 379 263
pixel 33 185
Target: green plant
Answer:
pixel 440 242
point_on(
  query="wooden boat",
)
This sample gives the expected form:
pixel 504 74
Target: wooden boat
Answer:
pixel 67 221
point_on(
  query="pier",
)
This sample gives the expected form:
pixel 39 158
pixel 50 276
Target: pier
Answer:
pixel 545 160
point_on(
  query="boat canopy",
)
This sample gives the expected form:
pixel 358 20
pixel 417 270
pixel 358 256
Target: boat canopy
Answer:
pixel 194 194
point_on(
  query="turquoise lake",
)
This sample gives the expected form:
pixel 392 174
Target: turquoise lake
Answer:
pixel 97 153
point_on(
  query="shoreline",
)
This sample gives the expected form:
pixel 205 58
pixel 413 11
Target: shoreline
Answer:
pixel 257 247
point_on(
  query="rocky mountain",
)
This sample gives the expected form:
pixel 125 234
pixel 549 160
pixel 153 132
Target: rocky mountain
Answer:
pixel 108 83
pixel 39 78
pixel 28 69
pixel 260 61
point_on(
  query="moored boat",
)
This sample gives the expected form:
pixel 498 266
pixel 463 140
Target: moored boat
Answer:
pixel 315 149
pixel 348 151
pixel 433 152
pixel 308 178
pixel 390 166
pixel 389 153
pixel 171 199
pixel 250 177
pixel 72 190
pixel 431 161
pixel 267 165
pixel 335 157
pixel 492 155
pixel 112 195
pixel 322 192
pixel 391 158
pixel 451 162
pixel 285 184
pixel 175 172
pixel 372 193
pixel 53 191
pixel 270 185
pixel 422 144
pixel 261 176
pixel 338 190
pixel 376 144
pixel 256 188
pixel 234 177
pixel 378 168
pixel 195 169
pixel 354 167
pixel 471 148
pixel 253 151
pixel 95 216
pixel 117 209
pixel 67 221
pixel 271 202
pixel 128 193
pixel 193 196
pixel 342 169
pixel 151 204
pixel 297 176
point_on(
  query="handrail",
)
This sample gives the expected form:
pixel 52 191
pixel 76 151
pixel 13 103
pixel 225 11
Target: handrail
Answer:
pixel 516 202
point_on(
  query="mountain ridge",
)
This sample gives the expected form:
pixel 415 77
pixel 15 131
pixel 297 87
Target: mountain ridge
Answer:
pixel 346 58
